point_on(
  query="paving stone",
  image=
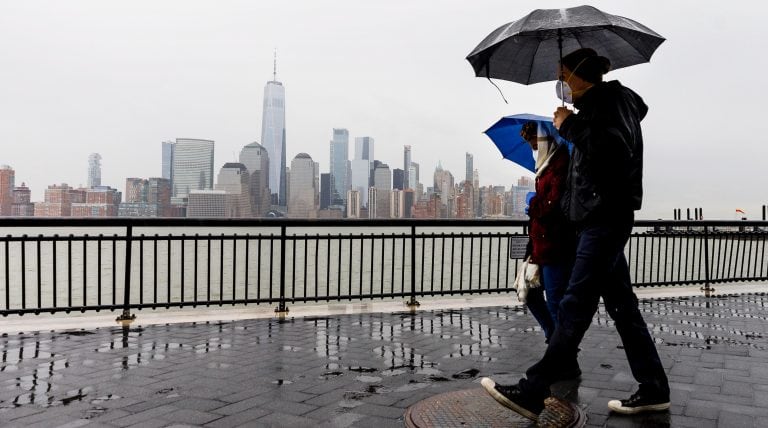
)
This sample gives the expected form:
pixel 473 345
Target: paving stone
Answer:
pixel 223 372
pixel 735 420
pixel 245 417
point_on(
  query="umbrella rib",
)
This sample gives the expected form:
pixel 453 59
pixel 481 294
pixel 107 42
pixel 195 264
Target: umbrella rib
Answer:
pixel 533 59
pixel 630 44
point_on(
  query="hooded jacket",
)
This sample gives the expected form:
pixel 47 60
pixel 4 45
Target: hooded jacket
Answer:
pixel 606 170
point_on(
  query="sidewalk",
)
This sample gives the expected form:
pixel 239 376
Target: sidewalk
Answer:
pixel 365 369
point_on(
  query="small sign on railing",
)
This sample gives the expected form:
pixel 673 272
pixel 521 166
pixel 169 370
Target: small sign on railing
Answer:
pixel 517 246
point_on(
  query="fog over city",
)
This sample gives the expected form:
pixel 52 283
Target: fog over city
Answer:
pixel 120 77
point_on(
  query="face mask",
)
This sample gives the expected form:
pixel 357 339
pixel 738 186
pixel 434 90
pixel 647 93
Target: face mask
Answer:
pixel 564 91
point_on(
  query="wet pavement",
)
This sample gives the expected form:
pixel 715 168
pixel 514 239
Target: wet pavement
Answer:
pixel 365 370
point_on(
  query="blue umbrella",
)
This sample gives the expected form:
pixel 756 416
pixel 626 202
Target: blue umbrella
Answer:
pixel 506 135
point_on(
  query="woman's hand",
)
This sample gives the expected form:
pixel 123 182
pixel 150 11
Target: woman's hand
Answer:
pixel 560 115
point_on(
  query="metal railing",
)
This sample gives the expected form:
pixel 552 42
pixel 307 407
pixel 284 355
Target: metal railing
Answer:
pixel 123 264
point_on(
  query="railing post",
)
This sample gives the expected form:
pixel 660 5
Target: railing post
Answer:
pixel 281 310
pixel 413 304
pixel 706 289
pixel 126 317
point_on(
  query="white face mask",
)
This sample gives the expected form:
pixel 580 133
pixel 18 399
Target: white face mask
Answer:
pixel 564 91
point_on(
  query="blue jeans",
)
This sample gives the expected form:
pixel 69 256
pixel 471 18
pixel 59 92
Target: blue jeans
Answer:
pixel 554 279
pixel 600 270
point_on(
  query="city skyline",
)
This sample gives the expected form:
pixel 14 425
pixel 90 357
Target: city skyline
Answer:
pixel 151 74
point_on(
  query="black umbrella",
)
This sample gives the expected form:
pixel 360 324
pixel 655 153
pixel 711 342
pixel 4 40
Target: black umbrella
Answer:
pixel 528 50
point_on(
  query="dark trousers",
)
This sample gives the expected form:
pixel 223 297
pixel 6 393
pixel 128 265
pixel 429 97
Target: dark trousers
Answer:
pixel 600 270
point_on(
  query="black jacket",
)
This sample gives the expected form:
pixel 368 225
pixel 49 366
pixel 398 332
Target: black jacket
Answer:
pixel 606 171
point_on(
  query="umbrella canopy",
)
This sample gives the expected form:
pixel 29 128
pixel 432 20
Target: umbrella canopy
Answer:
pixel 506 135
pixel 528 50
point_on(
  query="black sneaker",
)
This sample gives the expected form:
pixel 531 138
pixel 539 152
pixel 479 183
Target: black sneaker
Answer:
pixel 512 398
pixel 639 403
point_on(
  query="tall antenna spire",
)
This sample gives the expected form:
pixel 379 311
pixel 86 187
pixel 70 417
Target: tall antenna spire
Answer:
pixel 274 70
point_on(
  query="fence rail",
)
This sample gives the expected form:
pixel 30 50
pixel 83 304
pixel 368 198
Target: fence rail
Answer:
pixel 63 265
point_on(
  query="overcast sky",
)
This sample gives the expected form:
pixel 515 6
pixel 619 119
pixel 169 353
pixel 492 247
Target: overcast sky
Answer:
pixel 119 77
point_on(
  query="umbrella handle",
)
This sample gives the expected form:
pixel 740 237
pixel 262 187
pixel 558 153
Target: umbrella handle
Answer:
pixel 560 77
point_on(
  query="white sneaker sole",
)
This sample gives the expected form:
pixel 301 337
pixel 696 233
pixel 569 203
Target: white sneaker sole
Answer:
pixel 490 387
pixel 616 406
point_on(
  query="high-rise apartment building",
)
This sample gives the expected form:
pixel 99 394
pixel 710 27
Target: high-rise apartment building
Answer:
pixel 339 166
pixel 94 170
pixel 273 137
pixel 22 204
pixel 256 159
pixel 397 204
pixel 7 183
pixel 407 184
pixel 234 179
pixel 192 167
pixel 353 204
pixel 303 200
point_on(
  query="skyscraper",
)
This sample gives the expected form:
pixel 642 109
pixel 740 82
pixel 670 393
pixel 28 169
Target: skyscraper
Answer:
pixel 234 179
pixel 94 170
pixel 382 182
pixel 443 180
pixel 325 191
pixel 167 166
pixel 469 168
pixel 361 168
pixel 256 159
pixel 303 191
pixel 398 179
pixel 273 136
pixel 192 166
pixel 407 184
pixel 339 166
pixel 7 178
pixel 364 148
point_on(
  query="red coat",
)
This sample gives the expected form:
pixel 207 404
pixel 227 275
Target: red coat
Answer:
pixel 550 232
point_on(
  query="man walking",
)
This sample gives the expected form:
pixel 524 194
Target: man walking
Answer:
pixel 604 188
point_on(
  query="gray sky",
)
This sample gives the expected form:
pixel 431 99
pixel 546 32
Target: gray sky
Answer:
pixel 119 77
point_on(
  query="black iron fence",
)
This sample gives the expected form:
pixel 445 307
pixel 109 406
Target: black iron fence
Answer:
pixel 63 265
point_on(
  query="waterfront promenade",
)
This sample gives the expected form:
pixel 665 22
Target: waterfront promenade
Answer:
pixel 363 369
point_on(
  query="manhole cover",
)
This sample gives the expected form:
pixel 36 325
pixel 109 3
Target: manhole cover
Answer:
pixel 465 408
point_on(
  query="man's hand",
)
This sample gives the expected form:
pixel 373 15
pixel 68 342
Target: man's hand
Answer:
pixel 560 115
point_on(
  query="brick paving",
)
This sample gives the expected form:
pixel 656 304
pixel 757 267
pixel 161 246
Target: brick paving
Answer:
pixel 364 370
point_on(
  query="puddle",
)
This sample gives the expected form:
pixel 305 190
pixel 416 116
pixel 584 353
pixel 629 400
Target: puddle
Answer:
pixel 377 389
pixel 329 375
pixel 359 369
pixel 368 379
pixel 466 374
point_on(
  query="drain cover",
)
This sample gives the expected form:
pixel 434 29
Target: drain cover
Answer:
pixel 465 408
